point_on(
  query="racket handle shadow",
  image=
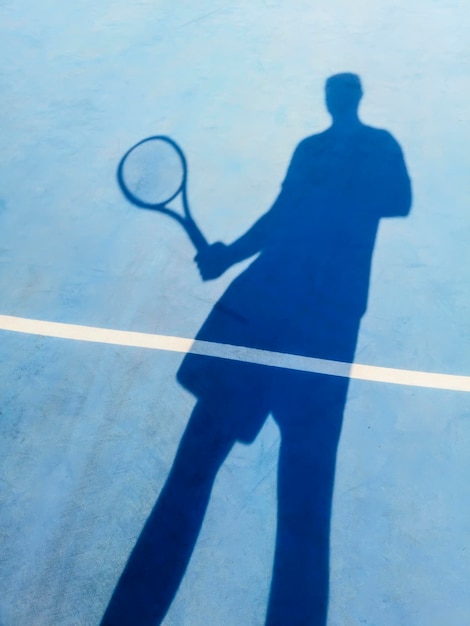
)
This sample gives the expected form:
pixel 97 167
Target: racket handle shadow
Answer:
pixel 197 238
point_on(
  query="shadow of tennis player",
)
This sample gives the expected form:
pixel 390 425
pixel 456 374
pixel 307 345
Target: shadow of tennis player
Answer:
pixel 304 294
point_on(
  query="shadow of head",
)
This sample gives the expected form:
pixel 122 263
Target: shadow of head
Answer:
pixel 343 92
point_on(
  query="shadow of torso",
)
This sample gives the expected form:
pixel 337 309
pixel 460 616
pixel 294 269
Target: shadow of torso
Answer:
pixel 306 291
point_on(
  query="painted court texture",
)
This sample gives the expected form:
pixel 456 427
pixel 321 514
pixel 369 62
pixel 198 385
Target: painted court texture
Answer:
pixel 102 307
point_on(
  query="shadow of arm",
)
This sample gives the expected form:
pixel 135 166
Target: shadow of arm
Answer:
pixel 396 194
pixel 271 223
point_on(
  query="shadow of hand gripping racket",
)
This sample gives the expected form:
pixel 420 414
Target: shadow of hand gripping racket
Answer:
pixel 304 294
pixel 152 174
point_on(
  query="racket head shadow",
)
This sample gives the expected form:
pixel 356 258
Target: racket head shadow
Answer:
pixel 153 172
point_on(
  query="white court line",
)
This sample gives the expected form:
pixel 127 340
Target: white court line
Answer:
pixel 235 353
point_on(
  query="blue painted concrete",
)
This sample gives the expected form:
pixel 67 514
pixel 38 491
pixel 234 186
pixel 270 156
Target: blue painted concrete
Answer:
pixel 89 432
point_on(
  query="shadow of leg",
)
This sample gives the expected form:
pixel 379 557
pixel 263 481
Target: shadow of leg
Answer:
pixel 158 562
pixel 310 429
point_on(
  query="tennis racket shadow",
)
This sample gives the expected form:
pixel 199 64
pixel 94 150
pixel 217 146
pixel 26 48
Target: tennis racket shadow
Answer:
pixel 152 174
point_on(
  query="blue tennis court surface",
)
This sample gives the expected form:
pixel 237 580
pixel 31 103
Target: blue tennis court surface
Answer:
pixel 91 421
